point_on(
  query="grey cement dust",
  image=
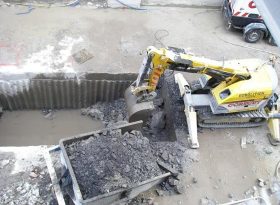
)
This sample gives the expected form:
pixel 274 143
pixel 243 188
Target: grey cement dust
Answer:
pixel 104 163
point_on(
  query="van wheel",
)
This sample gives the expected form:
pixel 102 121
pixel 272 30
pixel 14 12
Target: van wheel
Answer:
pixel 254 35
pixel 228 25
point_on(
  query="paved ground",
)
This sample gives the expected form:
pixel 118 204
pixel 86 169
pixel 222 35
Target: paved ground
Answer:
pixel 224 168
pixel 44 40
pixel 184 3
pixel 115 3
pixel 47 37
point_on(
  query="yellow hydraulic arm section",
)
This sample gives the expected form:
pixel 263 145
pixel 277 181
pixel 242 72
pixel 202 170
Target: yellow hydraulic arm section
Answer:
pixel 158 60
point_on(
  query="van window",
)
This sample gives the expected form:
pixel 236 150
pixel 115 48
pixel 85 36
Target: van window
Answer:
pixel 224 94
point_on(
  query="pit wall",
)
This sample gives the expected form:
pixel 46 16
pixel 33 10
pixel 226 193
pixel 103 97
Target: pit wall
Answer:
pixel 62 92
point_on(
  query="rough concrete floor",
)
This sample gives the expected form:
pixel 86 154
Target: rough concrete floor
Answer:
pixel 225 168
pixel 43 40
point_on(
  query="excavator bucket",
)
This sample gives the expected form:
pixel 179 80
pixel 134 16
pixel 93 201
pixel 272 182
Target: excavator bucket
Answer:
pixel 137 110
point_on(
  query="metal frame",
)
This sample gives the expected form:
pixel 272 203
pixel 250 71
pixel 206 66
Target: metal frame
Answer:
pixel 115 196
pixel 53 176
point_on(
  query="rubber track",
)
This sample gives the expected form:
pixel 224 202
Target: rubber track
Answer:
pixel 231 125
pixel 249 114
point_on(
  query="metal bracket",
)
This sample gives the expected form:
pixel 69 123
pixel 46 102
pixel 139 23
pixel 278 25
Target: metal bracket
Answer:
pixel 190 113
pixel 53 176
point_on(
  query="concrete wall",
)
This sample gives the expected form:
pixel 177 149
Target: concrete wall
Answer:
pixel 61 93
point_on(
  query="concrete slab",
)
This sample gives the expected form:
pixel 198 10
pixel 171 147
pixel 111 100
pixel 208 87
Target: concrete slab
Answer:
pixel 44 40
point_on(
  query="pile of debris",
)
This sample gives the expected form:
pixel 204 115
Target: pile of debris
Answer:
pixel 175 155
pixel 106 162
pixel 166 129
pixel 109 113
pixel 24 176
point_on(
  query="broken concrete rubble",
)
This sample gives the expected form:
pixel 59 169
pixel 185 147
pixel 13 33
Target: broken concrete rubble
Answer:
pixel 261 182
pixel 175 155
pixel 24 179
pixel 33 175
pixel 110 161
pixel 194 180
pixel 4 162
pixel 268 150
pixel 109 113
pixel 173 152
pixel 180 189
pixel 172 181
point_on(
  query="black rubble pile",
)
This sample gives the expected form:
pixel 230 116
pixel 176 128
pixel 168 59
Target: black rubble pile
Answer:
pixel 111 160
pixel 109 113
pixel 174 103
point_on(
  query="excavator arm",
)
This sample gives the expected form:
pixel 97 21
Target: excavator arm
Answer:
pixel 158 60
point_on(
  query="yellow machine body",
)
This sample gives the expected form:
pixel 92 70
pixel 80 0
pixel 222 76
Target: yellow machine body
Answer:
pixel 235 86
pixel 246 95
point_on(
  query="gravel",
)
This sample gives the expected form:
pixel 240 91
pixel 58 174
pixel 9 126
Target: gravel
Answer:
pixel 109 161
pixel 174 154
pixel 24 178
pixel 109 113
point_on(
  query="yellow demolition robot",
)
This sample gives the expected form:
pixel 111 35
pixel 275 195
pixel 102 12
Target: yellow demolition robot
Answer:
pixel 234 93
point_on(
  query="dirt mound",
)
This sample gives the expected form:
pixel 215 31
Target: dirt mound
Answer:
pixel 109 161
